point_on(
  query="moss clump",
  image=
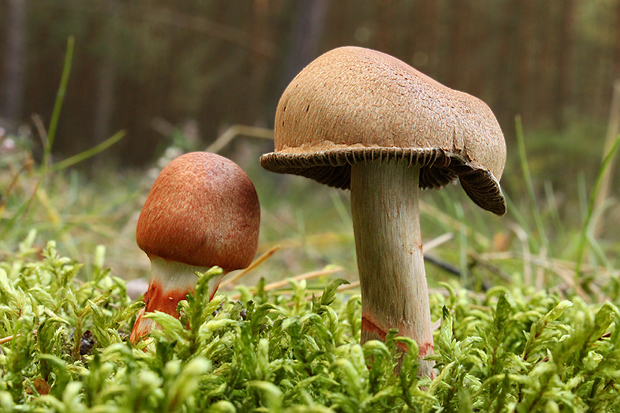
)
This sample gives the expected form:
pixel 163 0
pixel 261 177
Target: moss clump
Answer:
pixel 500 351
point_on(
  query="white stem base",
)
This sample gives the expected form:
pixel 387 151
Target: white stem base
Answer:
pixel 384 205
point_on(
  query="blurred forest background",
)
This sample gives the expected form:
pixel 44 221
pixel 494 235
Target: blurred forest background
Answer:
pixel 152 67
pixel 182 73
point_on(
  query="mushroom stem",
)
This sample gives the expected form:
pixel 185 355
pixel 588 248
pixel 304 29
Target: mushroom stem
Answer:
pixel 384 206
pixel 170 283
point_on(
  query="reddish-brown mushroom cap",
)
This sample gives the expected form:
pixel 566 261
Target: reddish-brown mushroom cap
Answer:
pixel 202 211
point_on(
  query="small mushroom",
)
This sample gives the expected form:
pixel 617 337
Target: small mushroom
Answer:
pixel 362 120
pixel 202 211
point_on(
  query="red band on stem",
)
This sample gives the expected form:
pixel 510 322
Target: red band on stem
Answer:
pixel 371 327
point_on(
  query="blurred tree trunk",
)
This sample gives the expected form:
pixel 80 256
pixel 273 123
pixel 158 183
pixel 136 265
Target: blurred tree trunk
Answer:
pixel 261 31
pixel 563 84
pixel 106 77
pixel 384 13
pixel 542 93
pixel 505 72
pixel 104 101
pixel 14 63
pixel 428 35
pixel 616 73
pixel 458 49
pixel 306 37
pixel 527 40
pixel 478 66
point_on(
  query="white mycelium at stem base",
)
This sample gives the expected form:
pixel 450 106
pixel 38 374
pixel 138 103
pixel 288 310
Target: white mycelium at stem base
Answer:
pixel 384 205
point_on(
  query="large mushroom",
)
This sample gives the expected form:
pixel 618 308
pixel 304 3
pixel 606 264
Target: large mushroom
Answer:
pixel 202 211
pixel 362 120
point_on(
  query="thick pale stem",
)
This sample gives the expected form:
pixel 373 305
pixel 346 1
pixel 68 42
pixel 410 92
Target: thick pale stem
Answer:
pixel 384 205
pixel 170 283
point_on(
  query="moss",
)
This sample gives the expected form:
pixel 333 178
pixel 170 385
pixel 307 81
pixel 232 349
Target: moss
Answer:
pixel 505 350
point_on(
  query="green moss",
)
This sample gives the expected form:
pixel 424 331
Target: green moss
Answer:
pixel 505 350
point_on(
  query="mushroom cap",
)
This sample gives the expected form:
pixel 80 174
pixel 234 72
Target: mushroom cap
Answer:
pixel 354 104
pixel 203 211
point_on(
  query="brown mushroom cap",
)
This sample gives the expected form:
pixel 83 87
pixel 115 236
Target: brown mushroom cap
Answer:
pixel 353 105
pixel 202 211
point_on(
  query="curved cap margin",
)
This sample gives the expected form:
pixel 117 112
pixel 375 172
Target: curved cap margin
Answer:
pixel 353 104
pixel 438 168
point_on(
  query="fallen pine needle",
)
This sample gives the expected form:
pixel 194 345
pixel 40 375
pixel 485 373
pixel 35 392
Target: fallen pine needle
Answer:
pixel 255 264
pixel 7 339
pixel 306 276
pixel 434 243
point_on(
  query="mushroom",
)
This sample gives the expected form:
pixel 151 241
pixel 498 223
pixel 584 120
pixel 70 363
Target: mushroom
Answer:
pixel 362 120
pixel 202 211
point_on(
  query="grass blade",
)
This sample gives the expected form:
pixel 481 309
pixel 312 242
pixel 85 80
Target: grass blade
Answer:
pixel 60 96
pixel 82 156
pixel 583 237
pixel 528 182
